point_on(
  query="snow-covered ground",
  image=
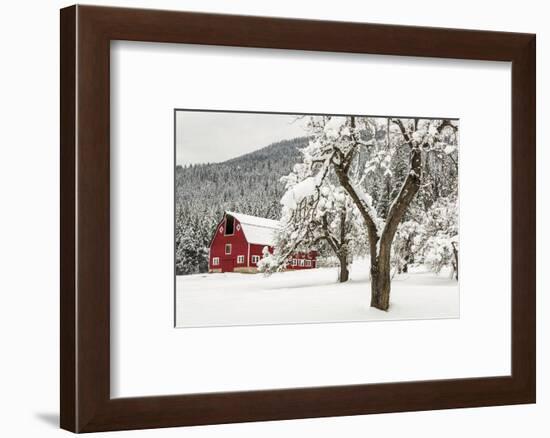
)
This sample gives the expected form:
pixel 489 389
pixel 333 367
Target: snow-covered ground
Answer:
pixel 309 296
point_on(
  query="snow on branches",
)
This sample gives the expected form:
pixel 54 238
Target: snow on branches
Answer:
pixel 440 246
pixel 316 212
pixel 355 183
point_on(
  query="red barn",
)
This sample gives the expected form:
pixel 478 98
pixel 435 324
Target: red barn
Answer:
pixel 238 242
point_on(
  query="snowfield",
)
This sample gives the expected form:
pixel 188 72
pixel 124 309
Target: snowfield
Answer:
pixel 309 296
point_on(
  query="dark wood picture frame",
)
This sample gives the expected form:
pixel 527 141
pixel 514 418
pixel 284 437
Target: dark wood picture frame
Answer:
pixel 86 33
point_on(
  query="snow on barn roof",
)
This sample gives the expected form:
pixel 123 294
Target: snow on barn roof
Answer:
pixel 258 230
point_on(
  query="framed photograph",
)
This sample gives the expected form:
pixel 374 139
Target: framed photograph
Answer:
pixel 267 218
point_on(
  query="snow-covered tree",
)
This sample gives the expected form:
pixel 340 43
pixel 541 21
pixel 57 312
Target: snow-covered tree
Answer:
pixel 352 149
pixel 191 246
pixel 440 247
pixel 315 212
pixel 407 242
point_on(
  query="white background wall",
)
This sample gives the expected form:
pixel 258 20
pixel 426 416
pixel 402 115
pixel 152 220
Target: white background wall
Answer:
pixel 29 204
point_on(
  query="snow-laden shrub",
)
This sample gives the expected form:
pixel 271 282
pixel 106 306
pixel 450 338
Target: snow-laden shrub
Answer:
pixel 440 246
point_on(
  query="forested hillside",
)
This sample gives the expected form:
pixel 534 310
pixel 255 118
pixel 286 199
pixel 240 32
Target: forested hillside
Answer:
pixel 248 184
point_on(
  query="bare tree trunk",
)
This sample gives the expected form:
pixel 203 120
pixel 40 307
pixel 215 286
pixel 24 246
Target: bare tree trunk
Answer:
pixel 381 276
pixel 455 263
pixel 343 274
pixel 380 286
pixel 339 247
pixel 409 256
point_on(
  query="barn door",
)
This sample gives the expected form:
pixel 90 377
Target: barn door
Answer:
pixel 228 264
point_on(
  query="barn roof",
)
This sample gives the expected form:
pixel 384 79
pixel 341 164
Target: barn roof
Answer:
pixel 257 230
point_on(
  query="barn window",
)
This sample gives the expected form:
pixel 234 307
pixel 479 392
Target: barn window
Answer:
pixel 255 258
pixel 308 263
pixel 302 262
pixel 240 259
pixel 229 225
pixel 294 262
pixel 228 248
pixel 215 261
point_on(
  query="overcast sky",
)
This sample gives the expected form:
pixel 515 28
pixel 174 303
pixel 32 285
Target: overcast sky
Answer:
pixel 210 137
